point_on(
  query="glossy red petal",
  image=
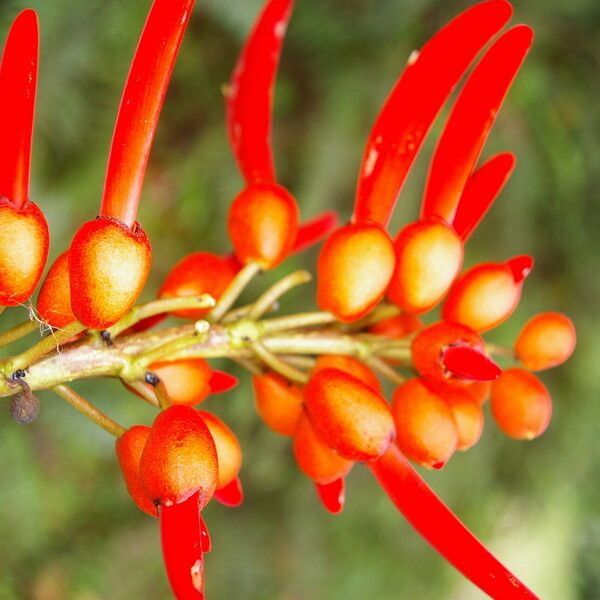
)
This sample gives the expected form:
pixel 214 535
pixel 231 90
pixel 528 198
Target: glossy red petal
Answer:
pixel 471 121
pixel 232 494
pixel 481 190
pixel 468 363
pixel 436 523
pixel 18 77
pixel 140 107
pixel 181 538
pixel 414 103
pixel 314 230
pixel 249 97
pixel 520 266
pixel 332 495
pixel 220 382
pixel 204 536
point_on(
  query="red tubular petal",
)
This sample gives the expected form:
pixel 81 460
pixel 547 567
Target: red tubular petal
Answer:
pixel 313 231
pixel 220 382
pixel 181 538
pixel 140 107
pixel 204 536
pixel 249 98
pixel 18 76
pixel 441 528
pixel 520 266
pixel 232 494
pixel 465 362
pixel 332 495
pixel 414 103
pixel 481 190
pixel 471 121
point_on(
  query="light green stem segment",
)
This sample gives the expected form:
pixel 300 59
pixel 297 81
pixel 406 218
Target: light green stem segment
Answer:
pixel 88 410
pixel 232 293
pixel 17 332
pixel 277 364
pixel 264 302
pixel 159 307
pixel 45 346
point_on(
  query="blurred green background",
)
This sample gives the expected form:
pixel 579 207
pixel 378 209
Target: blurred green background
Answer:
pixel 67 526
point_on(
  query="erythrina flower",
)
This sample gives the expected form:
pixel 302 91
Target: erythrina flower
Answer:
pixel 24 237
pixel 109 259
pixel 316 375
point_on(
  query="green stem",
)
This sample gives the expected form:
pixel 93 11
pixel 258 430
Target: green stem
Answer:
pixel 87 409
pixel 264 302
pixel 297 321
pixel 242 311
pixel 162 395
pixel 48 344
pixel 167 351
pixel 17 332
pixel 158 307
pixel 232 293
pixel 282 367
pixel 380 366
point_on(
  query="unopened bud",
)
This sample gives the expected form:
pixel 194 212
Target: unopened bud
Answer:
pixel 24 407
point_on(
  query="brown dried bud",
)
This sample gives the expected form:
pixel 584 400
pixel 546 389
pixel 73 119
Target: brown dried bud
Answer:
pixel 24 406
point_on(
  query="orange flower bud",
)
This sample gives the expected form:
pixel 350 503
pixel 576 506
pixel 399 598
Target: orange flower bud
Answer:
pixel 547 340
pixel 186 380
pixel 354 269
pixel 315 459
pixel 430 343
pixel 349 365
pixel 54 299
pixel 129 449
pixel 229 451
pixel 521 404
pixel 196 274
pixel 179 459
pixel 426 431
pixel 108 267
pixel 487 294
pixel 278 402
pixel 263 224
pixel 429 256
pixel 468 416
pixel 24 242
pixel 349 415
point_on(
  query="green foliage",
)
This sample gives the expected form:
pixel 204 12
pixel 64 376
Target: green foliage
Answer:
pixel 68 528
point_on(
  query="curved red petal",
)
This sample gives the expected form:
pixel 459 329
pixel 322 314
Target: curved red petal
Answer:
pixel 181 539
pixel 221 381
pixel 18 78
pixel 140 107
pixel 414 103
pixel 332 495
pixel 471 121
pixel 314 230
pixel 442 529
pixel 249 97
pixel 481 190
pixel 232 494
pixel 204 536
pixel 468 363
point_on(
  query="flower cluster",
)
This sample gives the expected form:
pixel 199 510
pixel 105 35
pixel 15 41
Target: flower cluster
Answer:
pixel 317 376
